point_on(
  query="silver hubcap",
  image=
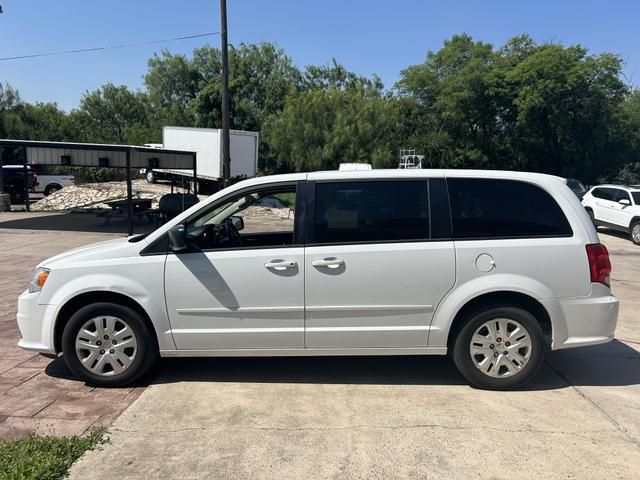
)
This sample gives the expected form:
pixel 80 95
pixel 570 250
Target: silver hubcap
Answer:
pixel 500 347
pixel 106 345
pixel 635 233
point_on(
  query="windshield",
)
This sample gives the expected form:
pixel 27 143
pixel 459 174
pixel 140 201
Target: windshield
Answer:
pixel 226 210
pixel 636 197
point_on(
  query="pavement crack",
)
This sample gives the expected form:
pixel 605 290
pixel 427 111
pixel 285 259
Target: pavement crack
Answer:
pixel 626 435
pixel 583 434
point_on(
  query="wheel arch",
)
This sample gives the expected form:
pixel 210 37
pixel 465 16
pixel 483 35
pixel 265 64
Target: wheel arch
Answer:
pixel 75 303
pixel 500 298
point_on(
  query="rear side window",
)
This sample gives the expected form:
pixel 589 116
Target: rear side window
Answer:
pixel 621 195
pixel 606 193
pixel 483 208
pixel 374 211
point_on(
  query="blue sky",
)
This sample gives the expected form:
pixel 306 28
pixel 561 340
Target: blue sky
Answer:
pixel 367 36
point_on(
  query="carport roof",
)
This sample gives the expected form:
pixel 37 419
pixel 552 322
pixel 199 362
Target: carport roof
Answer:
pixel 89 154
pixel 100 155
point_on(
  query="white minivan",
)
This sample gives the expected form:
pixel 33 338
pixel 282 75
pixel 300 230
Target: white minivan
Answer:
pixel 491 267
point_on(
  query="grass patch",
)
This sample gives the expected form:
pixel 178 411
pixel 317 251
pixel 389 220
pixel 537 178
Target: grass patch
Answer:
pixel 44 457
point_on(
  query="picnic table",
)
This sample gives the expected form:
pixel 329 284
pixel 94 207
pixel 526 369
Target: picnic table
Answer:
pixel 120 209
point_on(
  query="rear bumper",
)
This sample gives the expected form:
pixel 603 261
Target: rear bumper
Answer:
pixel 583 321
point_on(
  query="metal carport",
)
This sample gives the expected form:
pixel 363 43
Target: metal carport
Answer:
pixel 65 154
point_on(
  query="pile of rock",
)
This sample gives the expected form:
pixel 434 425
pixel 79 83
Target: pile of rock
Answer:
pixel 259 211
pixel 92 196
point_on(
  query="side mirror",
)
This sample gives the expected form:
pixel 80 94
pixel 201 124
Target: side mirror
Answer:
pixel 178 238
pixel 237 222
pixel 624 202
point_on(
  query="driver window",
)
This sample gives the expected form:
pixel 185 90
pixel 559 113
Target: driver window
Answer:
pixel 261 218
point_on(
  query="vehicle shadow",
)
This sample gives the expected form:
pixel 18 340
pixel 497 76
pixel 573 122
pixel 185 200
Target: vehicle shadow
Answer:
pixel 74 222
pixel 614 233
pixel 612 364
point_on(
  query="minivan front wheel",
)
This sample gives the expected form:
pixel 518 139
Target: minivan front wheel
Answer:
pixel 499 348
pixel 108 345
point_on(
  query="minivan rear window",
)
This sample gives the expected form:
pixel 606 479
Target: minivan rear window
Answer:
pixel 488 208
pixel 371 211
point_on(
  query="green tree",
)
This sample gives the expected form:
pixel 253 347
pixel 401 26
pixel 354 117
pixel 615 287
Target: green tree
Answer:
pixel 525 106
pixel 39 121
pixel 260 78
pixel 113 114
pixel 568 103
pixel 337 76
pixel 321 128
pixel 172 82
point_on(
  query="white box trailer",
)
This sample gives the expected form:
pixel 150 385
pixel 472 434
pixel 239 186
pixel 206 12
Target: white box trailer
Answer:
pixel 206 142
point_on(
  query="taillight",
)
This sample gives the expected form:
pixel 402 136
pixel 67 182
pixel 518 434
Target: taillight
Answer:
pixel 599 264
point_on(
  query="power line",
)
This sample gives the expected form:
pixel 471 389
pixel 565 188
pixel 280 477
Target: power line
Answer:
pixel 112 47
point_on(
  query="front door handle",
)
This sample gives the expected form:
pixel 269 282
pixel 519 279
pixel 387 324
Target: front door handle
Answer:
pixel 280 264
pixel 328 262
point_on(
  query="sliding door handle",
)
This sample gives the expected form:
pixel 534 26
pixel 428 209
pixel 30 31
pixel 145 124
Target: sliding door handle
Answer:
pixel 280 264
pixel 328 262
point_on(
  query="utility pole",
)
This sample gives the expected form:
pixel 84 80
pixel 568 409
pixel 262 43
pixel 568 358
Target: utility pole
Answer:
pixel 1 170
pixel 226 158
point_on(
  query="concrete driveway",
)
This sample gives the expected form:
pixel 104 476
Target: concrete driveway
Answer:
pixel 388 417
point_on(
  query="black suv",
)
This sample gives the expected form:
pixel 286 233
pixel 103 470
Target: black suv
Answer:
pixel 13 176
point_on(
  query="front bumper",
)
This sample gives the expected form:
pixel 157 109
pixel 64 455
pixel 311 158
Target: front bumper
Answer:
pixel 35 322
pixel 583 321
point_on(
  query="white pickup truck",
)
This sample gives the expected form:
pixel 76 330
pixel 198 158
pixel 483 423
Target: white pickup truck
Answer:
pixel 48 184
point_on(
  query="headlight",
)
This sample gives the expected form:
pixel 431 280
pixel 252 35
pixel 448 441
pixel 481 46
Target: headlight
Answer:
pixel 39 279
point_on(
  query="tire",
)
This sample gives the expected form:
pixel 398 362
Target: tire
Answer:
pixel 16 192
pixel 150 176
pixel 507 376
pixel 118 365
pixel 634 232
pixel 51 188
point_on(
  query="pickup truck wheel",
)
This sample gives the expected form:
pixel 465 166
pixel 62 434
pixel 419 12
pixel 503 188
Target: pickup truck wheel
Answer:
pixel 108 345
pixel 150 176
pixel 499 348
pixel 51 188
pixel 16 192
pixel 635 232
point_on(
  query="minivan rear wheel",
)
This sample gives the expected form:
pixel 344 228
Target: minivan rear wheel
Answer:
pixel 499 348
pixel 108 345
